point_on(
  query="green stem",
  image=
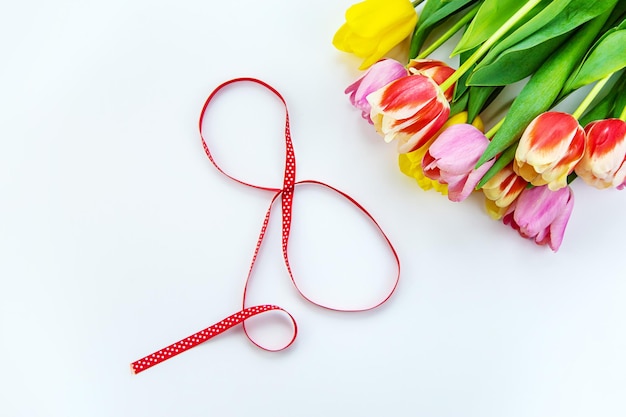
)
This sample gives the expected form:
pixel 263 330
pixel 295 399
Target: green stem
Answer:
pixel 417 3
pixel 489 43
pixel 449 33
pixel 494 129
pixel 590 97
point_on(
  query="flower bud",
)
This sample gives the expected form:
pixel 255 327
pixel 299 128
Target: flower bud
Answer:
pixel 549 149
pixel 502 190
pixel 410 110
pixel 541 214
pixel 452 157
pixel 374 27
pixel 603 164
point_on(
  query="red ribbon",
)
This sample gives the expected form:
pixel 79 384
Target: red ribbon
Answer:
pixel 287 194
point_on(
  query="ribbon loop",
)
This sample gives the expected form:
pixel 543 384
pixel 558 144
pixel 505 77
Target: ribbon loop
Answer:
pixel 210 99
pixel 286 193
pixel 209 333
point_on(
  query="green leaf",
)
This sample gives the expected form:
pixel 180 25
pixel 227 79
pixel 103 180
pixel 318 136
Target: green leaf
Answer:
pixel 503 160
pixel 620 98
pixel 515 64
pixel 541 20
pixel 539 94
pixel 602 110
pixel 479 98
pixel 421 30
pixel 618 14
pixel 502 67
pixel 490 17
pixel 459 105
pixel 574 78
pixel 461 84
pixel 607 57
pixel 606 107
pixel 434 11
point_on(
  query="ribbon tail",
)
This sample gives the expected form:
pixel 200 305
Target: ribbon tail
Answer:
pixel 201 337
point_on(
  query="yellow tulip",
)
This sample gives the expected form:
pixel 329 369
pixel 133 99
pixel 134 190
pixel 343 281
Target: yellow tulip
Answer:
pixel 374 27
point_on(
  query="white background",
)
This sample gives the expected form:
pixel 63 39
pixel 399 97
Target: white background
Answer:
pixel 117 237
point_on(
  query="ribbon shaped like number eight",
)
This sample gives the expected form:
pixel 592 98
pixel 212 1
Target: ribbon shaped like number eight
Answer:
pixel 286 194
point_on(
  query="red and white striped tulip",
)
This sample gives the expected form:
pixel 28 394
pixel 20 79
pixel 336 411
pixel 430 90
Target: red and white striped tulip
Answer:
pixel 549 149
pixel 502 190
pixel 439 71
pixel 377 76
pixel 604 163
pixel 410 110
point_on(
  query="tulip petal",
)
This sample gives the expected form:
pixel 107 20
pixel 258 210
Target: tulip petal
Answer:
pixel 451 159
pixel 402 98
pixel 557 228
pixel 537 208
pixel 547 138
pixel 374 27
pixel 371 17
pixel 438 71
pixel 389 40
pixel 376 77
pixel 605 154
pixel 548 151
pixel 541 214
pixel 340 40
pixel 504 187
pixel 462 189
pixel 462 145
pixel 410 109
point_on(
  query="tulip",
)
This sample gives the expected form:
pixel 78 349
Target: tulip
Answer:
pixel 541 214
pixel 377 76
pixel 437 70
pixel 549 149
pixel 374 27
pixel 452 157
pixel 502 190
pixel 410 109
pixel 411 163
pixel 604 163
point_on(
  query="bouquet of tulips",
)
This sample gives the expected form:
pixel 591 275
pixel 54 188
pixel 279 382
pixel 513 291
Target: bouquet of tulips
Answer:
pixel 524 164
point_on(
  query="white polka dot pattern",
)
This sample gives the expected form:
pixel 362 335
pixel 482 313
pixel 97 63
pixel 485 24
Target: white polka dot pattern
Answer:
pixel 287 194
pixel 201 337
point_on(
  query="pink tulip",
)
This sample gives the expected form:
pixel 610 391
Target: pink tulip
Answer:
pixel 377 76
pixel 541 214
pixel 604 163
pixel 549 149
pixel 452 157
pixel 410 109
pixel 437 70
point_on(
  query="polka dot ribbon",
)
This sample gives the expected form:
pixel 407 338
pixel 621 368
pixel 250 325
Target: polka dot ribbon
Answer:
pixel 286 194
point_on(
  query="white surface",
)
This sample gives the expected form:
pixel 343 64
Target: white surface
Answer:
pixel 117 237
